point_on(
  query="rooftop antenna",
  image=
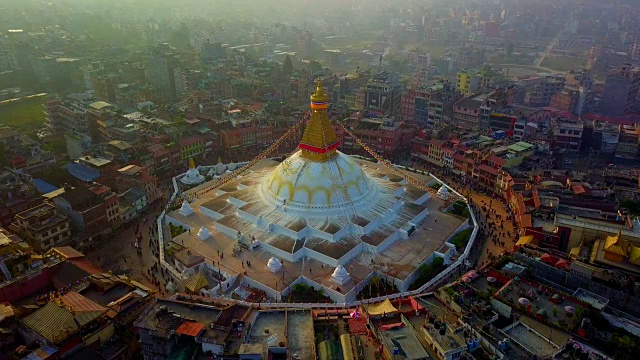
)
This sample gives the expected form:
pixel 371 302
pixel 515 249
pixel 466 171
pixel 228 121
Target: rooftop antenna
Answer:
pixel 380 63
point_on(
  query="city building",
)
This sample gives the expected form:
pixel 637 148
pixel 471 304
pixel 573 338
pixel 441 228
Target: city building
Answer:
pixel 387 137
pixel 170 327
pixel 383 92
pixel 86 212
pixel 549 85
pixel 621 91
pixel 566 134
pixel 464 83
pixel 164 71
pixel 628 142
pixel 471 112
pixel 429 107
pixel 42 227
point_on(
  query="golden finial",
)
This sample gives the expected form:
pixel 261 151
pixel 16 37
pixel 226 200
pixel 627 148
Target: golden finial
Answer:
pixel 192 164
pixel 319 96
pixel 319 141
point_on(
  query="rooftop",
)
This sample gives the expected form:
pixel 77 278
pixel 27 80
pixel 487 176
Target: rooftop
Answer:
pixel 166 316
pixel 405 339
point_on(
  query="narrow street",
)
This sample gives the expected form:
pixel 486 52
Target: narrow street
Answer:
pixel 497 233
pixel 133 251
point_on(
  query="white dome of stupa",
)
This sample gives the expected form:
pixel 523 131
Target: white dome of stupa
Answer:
pixel 274 265
pixel 306 187
pixel 340 275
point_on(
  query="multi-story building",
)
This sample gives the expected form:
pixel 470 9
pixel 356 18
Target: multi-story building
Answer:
pixel 584 83
pixel 471 112
pixel 132 203
pixel 43 227
pixel 566 134
pixel 166 320
pixel 503 121
pixel 104 168
pixel 627 147
pixel 469 57
pixel 69 115
pixel 164 72
pixel 111 204
pixel 544 91
pixel 621 91
pixel 463 82
pixel 86 211
pixel 569 100
pixel 429 107
pixel 387 137
pixel 104 87
pixel 132 176
pixel 383 92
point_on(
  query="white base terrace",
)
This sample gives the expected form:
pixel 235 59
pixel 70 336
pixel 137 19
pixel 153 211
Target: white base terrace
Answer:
pixel 391 237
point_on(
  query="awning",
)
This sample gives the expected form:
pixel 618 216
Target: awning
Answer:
pixel 524 240
pixel 381 308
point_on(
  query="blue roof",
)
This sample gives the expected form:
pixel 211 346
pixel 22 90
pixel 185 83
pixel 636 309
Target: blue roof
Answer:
pixel 82 172
pixel 44 187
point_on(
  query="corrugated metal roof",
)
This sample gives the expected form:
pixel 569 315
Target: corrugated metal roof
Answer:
pixel 196 282
pixel 53 322
pixel 64 316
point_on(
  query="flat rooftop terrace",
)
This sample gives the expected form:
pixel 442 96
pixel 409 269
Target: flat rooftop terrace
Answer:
pixel 398 260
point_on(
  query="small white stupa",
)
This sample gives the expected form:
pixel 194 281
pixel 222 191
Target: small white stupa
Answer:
pixel 231 166
pixel 220 168
pixel 186 209
pixel 204 233
pixel 192 177
pixel 274 265
pixel 443 193
pixel 340 275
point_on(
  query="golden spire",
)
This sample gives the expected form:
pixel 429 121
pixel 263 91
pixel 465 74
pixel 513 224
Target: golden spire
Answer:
pixel 319 141
pixel 192 164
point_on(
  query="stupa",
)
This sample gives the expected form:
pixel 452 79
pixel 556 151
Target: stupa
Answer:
pixel 274 265
pixel 192 177
pixel 204 233
pixel 185 209
pixel 320 209
pixel 443 193
pixel 340 275
pixel 220 168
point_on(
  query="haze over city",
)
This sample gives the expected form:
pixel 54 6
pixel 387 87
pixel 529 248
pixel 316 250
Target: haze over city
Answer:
pixel 297 179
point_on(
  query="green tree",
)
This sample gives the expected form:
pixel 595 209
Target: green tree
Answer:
pixel 624 343
pixel 509 49
pixel 287 66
